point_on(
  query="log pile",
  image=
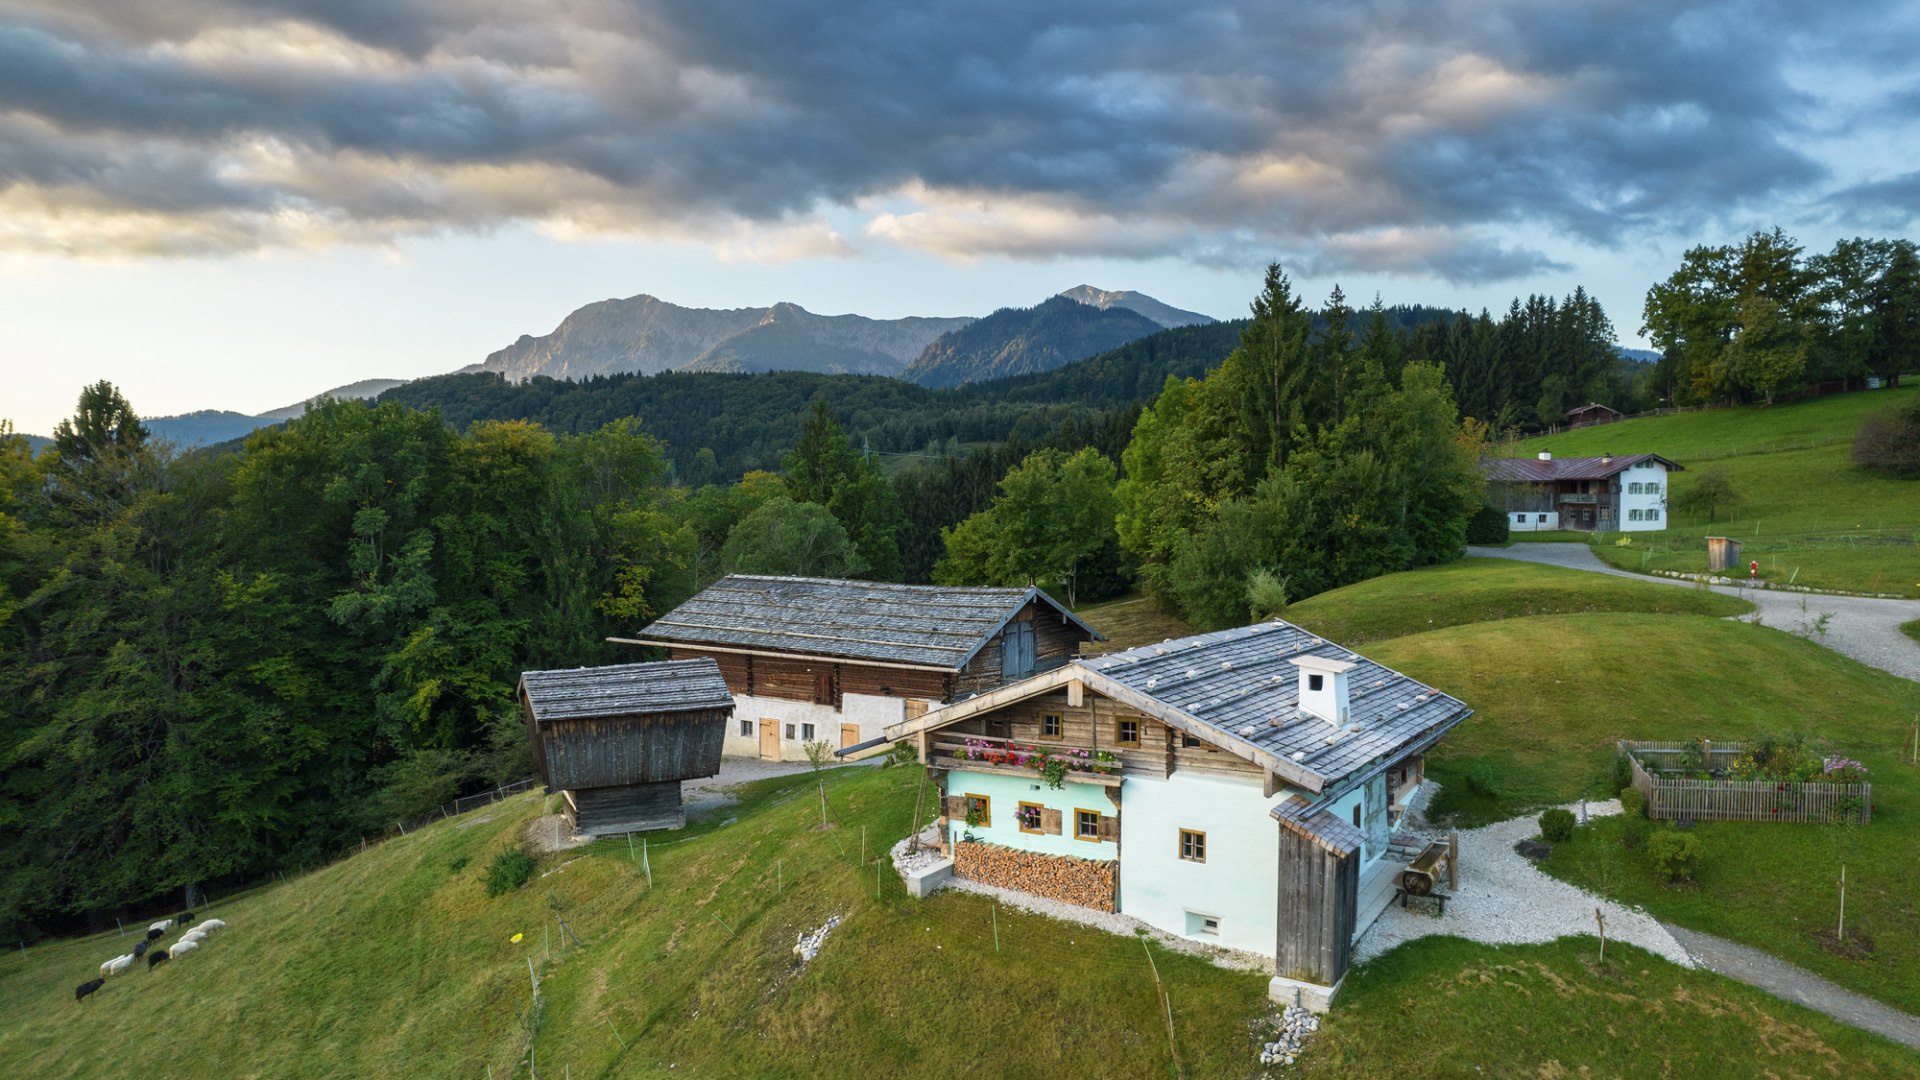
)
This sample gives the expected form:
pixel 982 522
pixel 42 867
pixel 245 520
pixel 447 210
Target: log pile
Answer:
pixel 1082 882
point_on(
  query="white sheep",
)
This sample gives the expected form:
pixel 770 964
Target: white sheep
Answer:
pixel 211 925
pixel 163 926
pixel 182 947
pixel 192 935
pixel 116 965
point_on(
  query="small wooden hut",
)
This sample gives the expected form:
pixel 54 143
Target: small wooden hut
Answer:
pixel 617 741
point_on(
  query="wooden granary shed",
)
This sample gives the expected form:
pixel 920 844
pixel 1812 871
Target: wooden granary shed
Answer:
pixel 617 741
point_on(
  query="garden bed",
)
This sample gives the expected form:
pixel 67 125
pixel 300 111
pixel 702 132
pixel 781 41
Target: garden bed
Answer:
pixel 1768 780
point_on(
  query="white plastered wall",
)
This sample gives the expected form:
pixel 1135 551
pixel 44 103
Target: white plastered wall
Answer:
pixel 1648 473
pixel 871 712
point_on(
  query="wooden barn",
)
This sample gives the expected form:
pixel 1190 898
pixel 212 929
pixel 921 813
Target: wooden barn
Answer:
pixel 836 661
pixel 617 741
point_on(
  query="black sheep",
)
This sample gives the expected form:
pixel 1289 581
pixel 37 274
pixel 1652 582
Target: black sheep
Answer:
pixel 183 919
pixel 156 958
pixel 155 935
pixel 139 949
pixel 80 992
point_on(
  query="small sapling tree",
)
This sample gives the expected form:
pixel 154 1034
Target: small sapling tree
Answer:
pixel 820 755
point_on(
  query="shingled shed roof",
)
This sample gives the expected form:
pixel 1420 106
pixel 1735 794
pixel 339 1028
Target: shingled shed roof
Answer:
pixel 626 690
pixel 927 625
pixel 1521 470
pixel 1313 821
pixel 1241 684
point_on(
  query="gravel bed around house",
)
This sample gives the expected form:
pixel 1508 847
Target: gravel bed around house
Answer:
pixel 1111 922
pixel 1504 899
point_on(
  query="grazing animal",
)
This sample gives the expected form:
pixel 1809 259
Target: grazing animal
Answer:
pixel 80 992
pixel 180 947
pixel 163 926
pixel 156 958
pixel 191 935
pixel 139 949
pixel 116 965
pixel 183 918
pixel 211 925
pixel 155 935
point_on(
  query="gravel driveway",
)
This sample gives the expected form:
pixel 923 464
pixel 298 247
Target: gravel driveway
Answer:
pixel 1503 899
pixel 1864 628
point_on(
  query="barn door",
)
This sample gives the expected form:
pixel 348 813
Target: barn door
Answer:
pixel 1016 651
pixel 849 735
pixel 769 739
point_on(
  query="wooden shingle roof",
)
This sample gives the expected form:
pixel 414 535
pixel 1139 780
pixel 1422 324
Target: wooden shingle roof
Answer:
pixel 926 625
pixel 1532 470
pixel 625 690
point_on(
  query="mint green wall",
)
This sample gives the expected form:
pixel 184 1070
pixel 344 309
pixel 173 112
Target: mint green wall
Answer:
pixel 1008 792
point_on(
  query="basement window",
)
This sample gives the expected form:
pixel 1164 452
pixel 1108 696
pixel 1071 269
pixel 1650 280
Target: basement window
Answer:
pixel 1193 845
pixel 1199 925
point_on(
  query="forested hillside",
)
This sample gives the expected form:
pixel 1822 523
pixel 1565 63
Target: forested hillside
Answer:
pixel 1021 341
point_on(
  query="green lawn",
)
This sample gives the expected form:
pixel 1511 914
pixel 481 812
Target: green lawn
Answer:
pixel 1806 513
pixel 1482 590
pixel 1129 622
pixel 1911 629
pixel 1552 693
pixel 1444 1007
pixel 389 964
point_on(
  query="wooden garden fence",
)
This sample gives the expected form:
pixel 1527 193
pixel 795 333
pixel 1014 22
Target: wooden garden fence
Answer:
pixel 1739 800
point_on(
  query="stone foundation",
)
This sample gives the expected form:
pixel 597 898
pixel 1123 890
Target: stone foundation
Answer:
pixel 1083 882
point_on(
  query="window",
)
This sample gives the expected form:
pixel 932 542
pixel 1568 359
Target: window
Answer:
pixel 1049 726
pixel 789 731
pixel 1633 488
pixel 1193 845
pixel 1519 519
pixel 1633 515
pixel 1653 515
pixel 1199 925
pixel 1126 732
pixel 1028 817
pixel 746 727
pixel 980 809
pixel 1541 519
pixel 1189 740
pixel 1316 682
pixel 806 732
pixel 1086 825
pixel 1356 815
pixel 1653 489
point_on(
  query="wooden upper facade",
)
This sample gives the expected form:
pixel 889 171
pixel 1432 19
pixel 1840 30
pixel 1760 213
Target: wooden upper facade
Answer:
pixel 625 724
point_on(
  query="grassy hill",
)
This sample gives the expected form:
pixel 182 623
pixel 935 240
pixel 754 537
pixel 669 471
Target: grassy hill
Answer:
pixel 1807 515
pixel 1551 694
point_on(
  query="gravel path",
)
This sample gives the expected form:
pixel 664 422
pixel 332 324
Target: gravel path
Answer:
pixel 1864 628
pixel 1504 899
pixel 710 791
pixel 1790 983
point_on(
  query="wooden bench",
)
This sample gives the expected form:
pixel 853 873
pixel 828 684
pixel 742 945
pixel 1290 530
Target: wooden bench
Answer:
pixel 1401 895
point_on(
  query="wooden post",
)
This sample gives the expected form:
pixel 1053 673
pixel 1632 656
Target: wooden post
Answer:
pixel 1453 861
pixel 994 915
pixel 646 861
pixel 116 922
pixel 1601 920
pixel 1843 902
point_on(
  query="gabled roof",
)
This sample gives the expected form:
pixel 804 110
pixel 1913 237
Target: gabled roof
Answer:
pixel 1590 406
pixel 926 625
pixel 625 690
pixel 1535 471
pixel 1238 690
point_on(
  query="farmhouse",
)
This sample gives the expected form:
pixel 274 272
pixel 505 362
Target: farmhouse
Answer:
pixel 1590 414
pixel 1593 494
pixel 1238 788
pixel 617 741
pixel 819 659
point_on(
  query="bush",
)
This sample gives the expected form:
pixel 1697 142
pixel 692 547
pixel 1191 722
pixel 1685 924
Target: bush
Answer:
pixel 1487 526
pixel 508 871
pixel 457 864
pixel 1674 853
pixel 901 753
pixel 1633 802
pixel 1622 775
pixel 1888 442
pixel 1556 826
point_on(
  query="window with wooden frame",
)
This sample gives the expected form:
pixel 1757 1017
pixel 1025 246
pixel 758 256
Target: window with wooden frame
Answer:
pixel 789 732
pixel 806 732
pixel 1126 733
pixel 1188 740
pixel 980 809
pixel 1028 817
pixel 1050 726
pixel 1086 825
pixel 1193 845
pixel 746 728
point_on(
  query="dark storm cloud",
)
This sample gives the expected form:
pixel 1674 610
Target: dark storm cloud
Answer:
pixel 1459 140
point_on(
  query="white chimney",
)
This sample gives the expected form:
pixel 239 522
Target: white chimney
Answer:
pixel 1546 455
pixel 1323 687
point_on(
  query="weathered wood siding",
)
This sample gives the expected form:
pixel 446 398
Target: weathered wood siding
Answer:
pixel 1318 893
pixel 1055 641
pixel 618 751
pixel 631 808
pixel 1091 725
pixel 820 681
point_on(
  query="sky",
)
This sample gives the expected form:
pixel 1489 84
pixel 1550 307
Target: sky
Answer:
pixel 236 204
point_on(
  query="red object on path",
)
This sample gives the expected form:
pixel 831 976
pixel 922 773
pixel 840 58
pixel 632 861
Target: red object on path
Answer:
pixel 1753 569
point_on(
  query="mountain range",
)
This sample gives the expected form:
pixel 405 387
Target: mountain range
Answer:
pixel 1021 341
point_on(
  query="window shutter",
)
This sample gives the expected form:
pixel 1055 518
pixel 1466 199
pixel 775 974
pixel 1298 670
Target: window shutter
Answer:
pixel 1050 821
pixel 1110 827
pixel 957 807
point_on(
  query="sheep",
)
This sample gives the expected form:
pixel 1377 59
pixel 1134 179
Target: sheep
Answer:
pixel 80 992
pixel 184 947
pixel 139 949
pixel 211 925
pixel 163 926
pixel 156 958
pixel 183 918
pixel 191 935
pixel 155 935
pixel 115 966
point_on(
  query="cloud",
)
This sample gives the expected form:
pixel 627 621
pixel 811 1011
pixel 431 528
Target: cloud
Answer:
pixel 1454 139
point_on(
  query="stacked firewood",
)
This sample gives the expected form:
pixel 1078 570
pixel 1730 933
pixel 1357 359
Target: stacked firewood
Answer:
pixel 1083 882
